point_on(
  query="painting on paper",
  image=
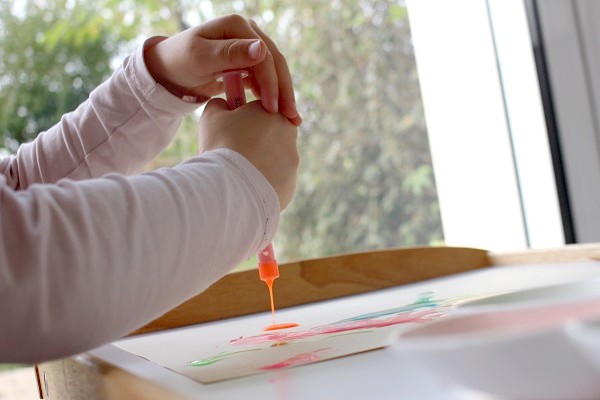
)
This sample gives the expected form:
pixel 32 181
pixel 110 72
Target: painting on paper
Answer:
pixel 239 347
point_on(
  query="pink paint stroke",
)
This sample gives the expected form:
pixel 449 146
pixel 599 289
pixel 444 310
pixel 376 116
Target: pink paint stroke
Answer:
pixel 278 337
pixel 302 358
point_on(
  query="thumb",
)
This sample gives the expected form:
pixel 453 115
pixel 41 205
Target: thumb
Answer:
pixel 215 104
pixel 207 136
pixel 238 53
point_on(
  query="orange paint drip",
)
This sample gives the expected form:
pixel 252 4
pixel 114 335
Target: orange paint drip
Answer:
pixel 270 285
pixel 269 281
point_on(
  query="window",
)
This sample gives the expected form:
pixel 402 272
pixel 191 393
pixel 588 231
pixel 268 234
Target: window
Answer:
pixel 568 40
pixel 486 124
pixel 423 123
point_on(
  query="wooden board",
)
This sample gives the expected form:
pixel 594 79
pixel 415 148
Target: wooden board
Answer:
pixel 301 283
pixel 320 279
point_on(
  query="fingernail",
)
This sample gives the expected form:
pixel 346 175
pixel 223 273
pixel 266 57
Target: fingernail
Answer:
pixel 254 50
pixel 297 120
pixel 275 105
pixel 295 108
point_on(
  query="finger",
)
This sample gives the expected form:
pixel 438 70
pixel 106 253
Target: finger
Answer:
pixel 287 101
pixel 265 74
pixel 206 139
pixel 235 53
pixel 235 26
pixel 227 27
pixel 215 104
pixel 250 83
pixel 297 120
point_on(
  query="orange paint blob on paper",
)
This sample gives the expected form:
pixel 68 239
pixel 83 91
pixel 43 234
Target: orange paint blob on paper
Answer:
pixel 285 325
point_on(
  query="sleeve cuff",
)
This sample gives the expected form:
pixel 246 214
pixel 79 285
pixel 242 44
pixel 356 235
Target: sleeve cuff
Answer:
pixel 263 191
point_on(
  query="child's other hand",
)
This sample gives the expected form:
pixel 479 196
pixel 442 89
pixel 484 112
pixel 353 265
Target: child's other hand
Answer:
pixel 189 63
pixel 267 140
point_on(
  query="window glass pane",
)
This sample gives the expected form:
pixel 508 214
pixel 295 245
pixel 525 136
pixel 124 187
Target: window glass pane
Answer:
pixel 366 178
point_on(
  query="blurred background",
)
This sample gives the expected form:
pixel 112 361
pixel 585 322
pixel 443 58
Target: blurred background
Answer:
pixel 366 179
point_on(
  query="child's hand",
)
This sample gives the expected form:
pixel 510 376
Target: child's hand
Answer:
pixel 189 63
pixel 268 141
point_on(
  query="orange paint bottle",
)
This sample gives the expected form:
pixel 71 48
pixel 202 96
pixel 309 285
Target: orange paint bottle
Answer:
pixel 268 270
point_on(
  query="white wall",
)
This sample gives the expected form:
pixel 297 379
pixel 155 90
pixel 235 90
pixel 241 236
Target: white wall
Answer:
pixel 571 41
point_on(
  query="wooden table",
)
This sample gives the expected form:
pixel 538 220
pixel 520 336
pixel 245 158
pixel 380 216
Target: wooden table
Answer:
pixel 85 377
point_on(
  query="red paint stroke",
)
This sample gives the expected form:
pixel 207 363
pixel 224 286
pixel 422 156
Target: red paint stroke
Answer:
pixel 402 318
pixel 302 358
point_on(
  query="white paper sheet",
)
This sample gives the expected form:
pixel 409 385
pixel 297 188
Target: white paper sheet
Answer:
pixel 175 348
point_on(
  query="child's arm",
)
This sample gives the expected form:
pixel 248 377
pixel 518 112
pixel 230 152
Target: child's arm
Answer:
pixel 130 118
pixel 86 262
pixel 125 122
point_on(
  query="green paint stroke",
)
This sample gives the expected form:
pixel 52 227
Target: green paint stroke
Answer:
pixel 216 358
pixel 424 300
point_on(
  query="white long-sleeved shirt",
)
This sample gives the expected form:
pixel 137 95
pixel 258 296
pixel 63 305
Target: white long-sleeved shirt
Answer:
pixel 87 256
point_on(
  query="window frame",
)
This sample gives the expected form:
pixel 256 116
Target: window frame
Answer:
pixel 486 124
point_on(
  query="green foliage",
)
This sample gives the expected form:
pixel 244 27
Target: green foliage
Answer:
pixel 366 179
pixel 11 367
pixel 51 58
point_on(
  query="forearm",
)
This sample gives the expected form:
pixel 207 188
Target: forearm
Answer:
pixel 83 263
pixel 125 123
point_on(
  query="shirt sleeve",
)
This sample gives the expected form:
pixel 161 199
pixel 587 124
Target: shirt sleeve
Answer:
pixel 123 125
pixel 85 262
